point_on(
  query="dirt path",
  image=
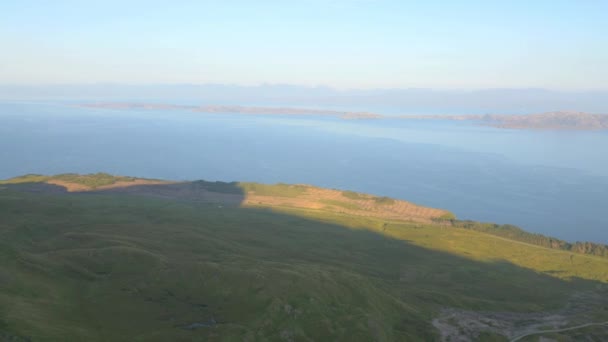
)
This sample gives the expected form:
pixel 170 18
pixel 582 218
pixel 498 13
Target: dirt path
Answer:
pixel 558 330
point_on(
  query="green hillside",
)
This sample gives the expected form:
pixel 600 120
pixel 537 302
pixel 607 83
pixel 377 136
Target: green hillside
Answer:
pixel 103 266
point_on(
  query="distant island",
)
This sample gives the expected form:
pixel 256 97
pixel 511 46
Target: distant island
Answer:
pixel 552 120
pixel 238 110
pixel 558 120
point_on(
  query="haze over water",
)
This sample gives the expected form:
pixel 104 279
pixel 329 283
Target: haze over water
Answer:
pixel 554 183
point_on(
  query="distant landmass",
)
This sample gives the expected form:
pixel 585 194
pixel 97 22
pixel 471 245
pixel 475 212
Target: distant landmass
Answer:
pixel 557 120
pixel 238 109
pixel 551 120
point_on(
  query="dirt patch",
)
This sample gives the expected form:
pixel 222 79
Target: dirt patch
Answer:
pixel 462 325
pixel 318 198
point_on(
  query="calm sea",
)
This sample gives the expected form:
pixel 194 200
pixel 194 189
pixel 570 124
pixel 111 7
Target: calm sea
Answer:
pixel 555 183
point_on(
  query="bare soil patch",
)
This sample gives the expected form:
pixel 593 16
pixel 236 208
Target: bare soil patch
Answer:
pixel 318 198
pixel 463 325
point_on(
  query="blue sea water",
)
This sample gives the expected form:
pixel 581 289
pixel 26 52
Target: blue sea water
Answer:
pixel 554 183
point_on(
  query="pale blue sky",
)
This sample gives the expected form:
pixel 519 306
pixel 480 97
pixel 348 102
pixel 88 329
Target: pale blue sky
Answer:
pixel 347 44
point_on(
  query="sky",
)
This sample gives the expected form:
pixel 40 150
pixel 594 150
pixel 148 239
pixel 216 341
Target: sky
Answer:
pixel 344 44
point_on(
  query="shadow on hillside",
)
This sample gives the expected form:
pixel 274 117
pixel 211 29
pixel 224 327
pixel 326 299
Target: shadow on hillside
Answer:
pixel 38 188
pixel 268 241
pixel 197 191
pixel 231 195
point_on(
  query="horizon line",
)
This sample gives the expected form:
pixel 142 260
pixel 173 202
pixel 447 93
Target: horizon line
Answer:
pixel 304 86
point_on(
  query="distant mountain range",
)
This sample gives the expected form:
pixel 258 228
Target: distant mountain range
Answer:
pixel 480 101
pixel 559 120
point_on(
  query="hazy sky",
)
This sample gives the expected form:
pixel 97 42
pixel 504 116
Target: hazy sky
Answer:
pixel 347 44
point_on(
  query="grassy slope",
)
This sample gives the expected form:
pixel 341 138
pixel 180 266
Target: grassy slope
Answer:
pixel 109 267
pixel 118 267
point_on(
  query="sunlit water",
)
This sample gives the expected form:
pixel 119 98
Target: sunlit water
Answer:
pixel 555 183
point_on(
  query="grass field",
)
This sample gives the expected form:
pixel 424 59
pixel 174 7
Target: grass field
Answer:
pixel 99 267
